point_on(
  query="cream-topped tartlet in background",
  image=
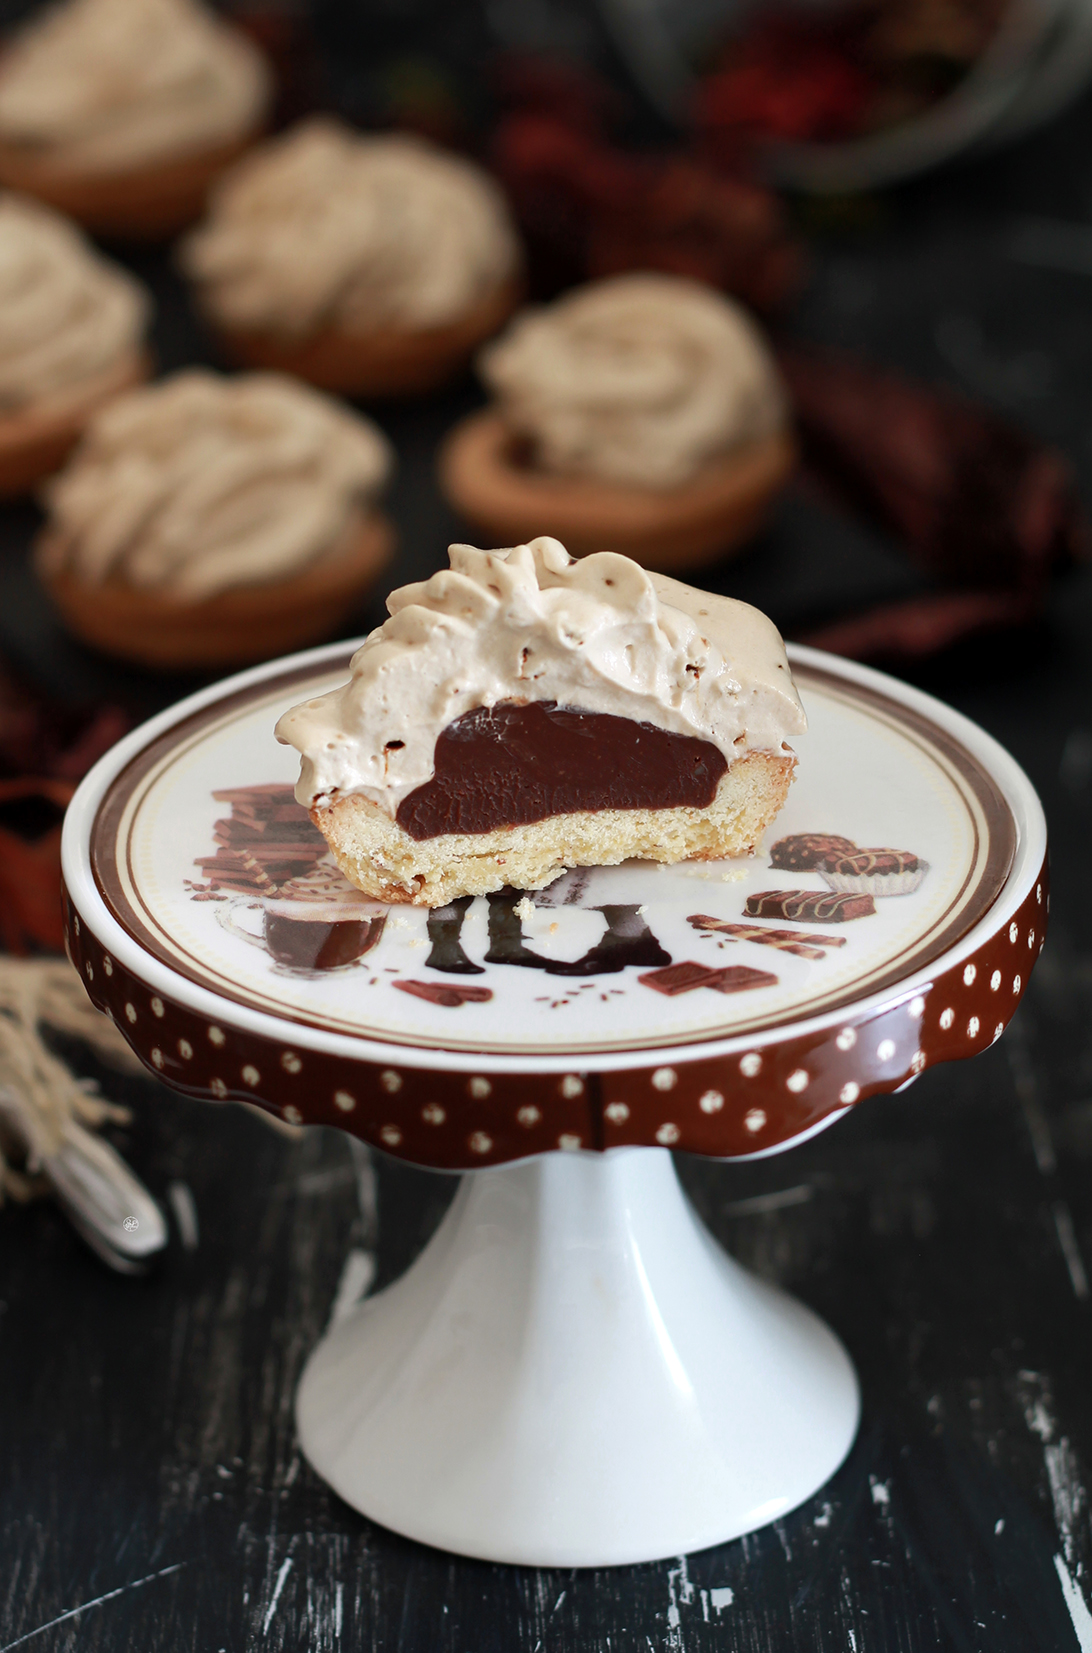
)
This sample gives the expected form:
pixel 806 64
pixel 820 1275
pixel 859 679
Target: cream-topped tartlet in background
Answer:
pixel 642 414
pixel 367 265
pixel 122 112
pixel 211 521
pixel 521 713
pixel 72 328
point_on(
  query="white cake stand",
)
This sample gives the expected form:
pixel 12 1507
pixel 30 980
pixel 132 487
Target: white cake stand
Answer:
pixel 573 1373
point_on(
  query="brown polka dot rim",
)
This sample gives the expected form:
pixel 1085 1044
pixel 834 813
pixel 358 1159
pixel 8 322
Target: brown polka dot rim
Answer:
pixel 674 1018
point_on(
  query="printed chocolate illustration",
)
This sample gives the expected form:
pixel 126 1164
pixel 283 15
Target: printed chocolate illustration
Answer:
pixel 685 977
pixel 804 851
pixel 809 906
pixel 801 942
pixel 880 872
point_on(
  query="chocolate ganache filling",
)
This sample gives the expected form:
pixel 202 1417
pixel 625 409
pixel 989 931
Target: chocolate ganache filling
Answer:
pixel 511 764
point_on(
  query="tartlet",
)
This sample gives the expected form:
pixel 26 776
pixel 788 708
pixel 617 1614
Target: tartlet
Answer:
pixel 72 330
pixel 522 713
pixel 643 415
pixel 121 113
pixel 210 521
pixel 368 265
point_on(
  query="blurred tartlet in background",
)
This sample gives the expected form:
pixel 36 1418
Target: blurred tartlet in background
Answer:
pixel 643 414
pixel 122 112
pixel 209 521
pixel 367 265
pixel 72 328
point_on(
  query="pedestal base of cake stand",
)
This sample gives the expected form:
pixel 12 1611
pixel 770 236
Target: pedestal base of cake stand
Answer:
pixel 574 1374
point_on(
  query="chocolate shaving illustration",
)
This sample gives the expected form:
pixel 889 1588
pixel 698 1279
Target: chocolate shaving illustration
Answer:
pixel 805 946
pixel 809 906
pixel 450 994
pixel 685 977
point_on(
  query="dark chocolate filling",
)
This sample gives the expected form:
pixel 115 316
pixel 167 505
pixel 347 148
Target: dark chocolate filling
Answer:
pixel 511 764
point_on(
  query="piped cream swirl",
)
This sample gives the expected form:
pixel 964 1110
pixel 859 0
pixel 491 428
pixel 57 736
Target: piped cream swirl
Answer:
pixel 532 624
pixel 67 315
pixel 109 85
pixel 201 483
pixel 325 227
pixel 638 380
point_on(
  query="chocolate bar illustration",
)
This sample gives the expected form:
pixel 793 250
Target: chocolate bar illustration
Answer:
pixel 805 946
pixel 804 851
pixel 452 994
pixel 685 977
pixel 268 839
pixel 809 906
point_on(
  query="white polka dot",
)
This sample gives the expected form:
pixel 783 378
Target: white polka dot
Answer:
pixel 392 1136
pixel 344 1100
pixel 1031 938
pixel 947 1017
pixel 885 1049
pixel 157 1007
pixel 711 1102
pixel 75 924
pixel 528 1116
pixel 479 1143
pixel 390 1081
pixel 969 974
pixel 218 1088
pixel 668 1134
pixel 130 1012
pixel 568 1143
pixel 664 1079
pixel 849 1092
pixel 1013 933
pixel 750 1065
pixel 917 1061
pixel 846 1039
pixel 1016 984
pixel 995 981
pixel 616 1112
pixel 290 1062
pixel 217 1036
pixel 251 1075
pixel 88 970
pixel 108 964
pixel 754 1119
pixel 293 1115
pixel 157 1057
pixel 433 1114
pixel 479 1089
pixel 1039 894
pixel 571 1085
pixel 972 1028
pixel 917 1006
pixel 185 1049
pixel 798 1080
pixel 998 1030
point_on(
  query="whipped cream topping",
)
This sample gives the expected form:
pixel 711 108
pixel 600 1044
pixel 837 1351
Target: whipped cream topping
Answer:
pixel 641 380
pixel 327 227
pixel 201 483
pixel 67 315
pixel 106 85
pixel 530 623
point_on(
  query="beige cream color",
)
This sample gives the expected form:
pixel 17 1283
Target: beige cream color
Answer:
pixel 67 316
pixel 379 858
pixel 327 228
pixel 202 483
pixel 112 85
pixel 640 380
pixel 531 623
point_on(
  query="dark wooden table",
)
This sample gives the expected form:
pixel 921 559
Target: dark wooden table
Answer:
pixel 151 1493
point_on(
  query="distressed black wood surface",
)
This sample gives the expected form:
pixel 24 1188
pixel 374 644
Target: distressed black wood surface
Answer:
pixel 151 1494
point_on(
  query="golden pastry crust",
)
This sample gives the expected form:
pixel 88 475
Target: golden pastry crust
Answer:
pixel 381 859
pixel 484 478
pixel 233 628
pixel 148 203
pixel 384 363
pixel 35 441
